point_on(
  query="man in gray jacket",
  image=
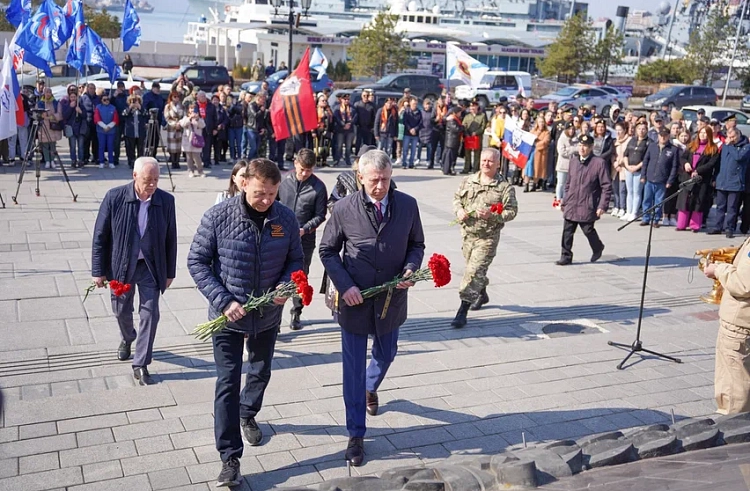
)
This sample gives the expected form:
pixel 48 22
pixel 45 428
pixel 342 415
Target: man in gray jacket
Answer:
pixel 244 246
pixel 586 197
pixel 380 232
pixel 306 195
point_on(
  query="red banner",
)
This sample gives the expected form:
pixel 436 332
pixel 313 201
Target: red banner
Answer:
pixel 293 104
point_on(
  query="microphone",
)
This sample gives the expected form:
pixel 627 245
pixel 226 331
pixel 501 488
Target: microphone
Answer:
pixel 690 182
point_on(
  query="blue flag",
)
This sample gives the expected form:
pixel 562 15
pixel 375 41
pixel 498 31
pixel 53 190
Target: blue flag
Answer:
pixel 131 27
pixel 76 56
pixel 61 29
pixel 18 12
pixel 20 56
pixel 97 54
pixel 70 11
pixel 35 38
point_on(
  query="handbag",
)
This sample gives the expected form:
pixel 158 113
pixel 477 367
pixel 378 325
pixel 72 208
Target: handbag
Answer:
pixel 68 131
pixel 56 125
pixel 197 141
pixel 471 142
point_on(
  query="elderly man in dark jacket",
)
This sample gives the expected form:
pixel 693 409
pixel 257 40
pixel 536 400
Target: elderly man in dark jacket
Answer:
pixel 306 195
pixel 730 182
pixel 426 134
pixel 659 172
pixel 586 197
pixel 412 118
pixel 246 245
pixel 364 120
pixel 381 235
pixel 135 242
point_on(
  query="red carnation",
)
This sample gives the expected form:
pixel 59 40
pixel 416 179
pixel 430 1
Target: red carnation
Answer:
pixel 497 208
pixel 307 295
pixel 299 277
pixel 441 270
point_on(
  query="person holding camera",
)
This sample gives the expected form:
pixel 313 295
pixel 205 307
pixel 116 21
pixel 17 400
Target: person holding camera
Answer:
pixel 135 129
pixel 51 115
pixel 193 140
pixel 75 128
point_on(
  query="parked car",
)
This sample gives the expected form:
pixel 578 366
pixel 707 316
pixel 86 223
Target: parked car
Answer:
pixel 275 80
pixel 622 98
pixel 422 86
pixel 690 113
pixel 495 85
pixel 679 96
pixel 745 103
pixel 580 95
pixel 207 76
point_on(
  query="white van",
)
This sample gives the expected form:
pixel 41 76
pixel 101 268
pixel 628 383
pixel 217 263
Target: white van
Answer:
pixel 494 85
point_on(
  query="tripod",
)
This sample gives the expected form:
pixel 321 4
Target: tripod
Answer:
pixel 152 142
pixel 637 346
pixel 34 147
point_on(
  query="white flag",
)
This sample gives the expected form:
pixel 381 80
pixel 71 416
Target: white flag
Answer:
pixel 8 125
pixel 319 62
pixel 461 66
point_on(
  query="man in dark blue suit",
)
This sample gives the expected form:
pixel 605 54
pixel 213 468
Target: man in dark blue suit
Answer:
pixel 380 233
pixel 211 118
pixel 135 242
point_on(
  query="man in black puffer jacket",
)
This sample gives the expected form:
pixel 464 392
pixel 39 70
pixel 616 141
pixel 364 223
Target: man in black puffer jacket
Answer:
pixel 306 195
pixel 246 245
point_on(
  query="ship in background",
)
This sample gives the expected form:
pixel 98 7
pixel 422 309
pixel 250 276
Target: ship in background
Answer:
pixel 141 6
pixel 530 23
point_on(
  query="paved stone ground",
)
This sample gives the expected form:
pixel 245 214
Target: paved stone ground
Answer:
pixel 76 421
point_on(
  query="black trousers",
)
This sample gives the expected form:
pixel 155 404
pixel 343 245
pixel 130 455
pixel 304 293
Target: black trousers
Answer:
pixel 309 251
pixel 364 137
pixel 449 159
pixel 208 137
pixel 134 148
pixel 569 230
pixel 90 143
pixel 233 402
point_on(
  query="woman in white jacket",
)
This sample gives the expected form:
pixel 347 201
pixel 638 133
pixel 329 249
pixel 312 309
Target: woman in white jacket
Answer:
pixel 193 140
pixel 566 147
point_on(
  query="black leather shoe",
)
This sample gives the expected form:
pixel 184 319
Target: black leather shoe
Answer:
pixel 460 319
pixel 142 376
pixel 730 235
pixel 355 451
pixel 295 324
pixel 714 232
pixel 123 352
pixel 372 403
pixel 597 255
pixel 230 474
pixel 251 432
pixel 483 299
pixel 564 261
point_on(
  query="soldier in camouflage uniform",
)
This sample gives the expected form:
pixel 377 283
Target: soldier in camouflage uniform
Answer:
pixel 474 125
pixel 480 228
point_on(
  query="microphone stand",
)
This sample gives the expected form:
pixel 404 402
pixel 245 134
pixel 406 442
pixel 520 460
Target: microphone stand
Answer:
pixel 637 346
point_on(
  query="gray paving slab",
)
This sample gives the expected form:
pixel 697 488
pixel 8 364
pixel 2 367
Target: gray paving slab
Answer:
pixel 474 390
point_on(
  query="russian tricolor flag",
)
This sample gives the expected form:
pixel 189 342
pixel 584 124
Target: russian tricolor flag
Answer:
pixel 517 143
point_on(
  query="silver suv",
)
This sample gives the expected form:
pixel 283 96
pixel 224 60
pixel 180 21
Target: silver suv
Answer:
pixel 678 96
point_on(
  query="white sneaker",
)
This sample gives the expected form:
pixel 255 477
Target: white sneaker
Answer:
pixel 47 165
pixel 621 213
pixel 673 222
pixel 615 211
pixel 111 166
pixel 202 174
pixel 625 217
pixel 191 174
pixel 398 162
pixel 101 166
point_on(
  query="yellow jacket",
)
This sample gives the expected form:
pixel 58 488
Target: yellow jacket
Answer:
pixel 497 127
pixel 735 278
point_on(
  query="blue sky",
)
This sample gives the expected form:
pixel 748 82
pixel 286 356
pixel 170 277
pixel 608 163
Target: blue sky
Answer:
pixel 608 8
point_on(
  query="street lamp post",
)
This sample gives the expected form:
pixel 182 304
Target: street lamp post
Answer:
pixel 277 4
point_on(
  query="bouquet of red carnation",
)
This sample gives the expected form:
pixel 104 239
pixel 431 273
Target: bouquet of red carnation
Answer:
pixel 438 270
pixel 115 286
pixel 298 286
pixel 497 209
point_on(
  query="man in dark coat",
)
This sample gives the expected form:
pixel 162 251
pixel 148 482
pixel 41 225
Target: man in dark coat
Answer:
pixel 586 197
pixel 245 246
pixel 659 172
pixel 306 195
pixel 730 182
pixel 381 235
pixel 89 101
pixel 364 120
pixel 135 242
